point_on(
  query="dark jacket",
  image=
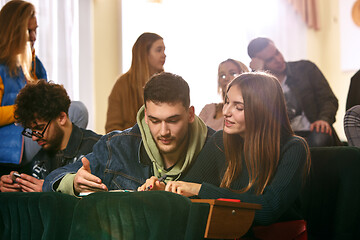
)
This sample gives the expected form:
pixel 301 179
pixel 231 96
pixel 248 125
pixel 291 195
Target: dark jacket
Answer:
pixel 310 87
pixel 80 143
pixel 353 97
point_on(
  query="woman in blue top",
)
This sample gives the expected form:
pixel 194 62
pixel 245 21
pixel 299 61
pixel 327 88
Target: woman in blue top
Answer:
pixel 265 162
pixel 15 65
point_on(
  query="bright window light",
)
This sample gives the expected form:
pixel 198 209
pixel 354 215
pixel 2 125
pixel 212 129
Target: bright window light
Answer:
pixel 199 34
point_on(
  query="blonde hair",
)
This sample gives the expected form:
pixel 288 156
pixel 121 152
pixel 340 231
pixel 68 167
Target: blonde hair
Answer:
pixel 241 69
pixel 266 123
pixel 15 50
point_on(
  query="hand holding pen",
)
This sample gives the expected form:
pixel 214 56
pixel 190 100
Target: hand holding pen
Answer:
pixel 153 184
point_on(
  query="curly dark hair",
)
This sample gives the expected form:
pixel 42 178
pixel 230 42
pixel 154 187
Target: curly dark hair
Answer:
pixel 167 88
pixel 43 100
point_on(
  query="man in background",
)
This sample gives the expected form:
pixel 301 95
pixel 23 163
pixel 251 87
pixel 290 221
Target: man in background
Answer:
pixel 311 104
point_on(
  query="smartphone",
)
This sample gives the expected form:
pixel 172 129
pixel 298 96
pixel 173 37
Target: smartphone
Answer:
pixel 15 175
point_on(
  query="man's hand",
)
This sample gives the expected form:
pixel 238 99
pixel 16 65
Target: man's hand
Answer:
pixel 152 184
pixel 321 126
pixel 29 183
pixel 186 189
pixel 86 182
pixel 257 64
pixel 8 185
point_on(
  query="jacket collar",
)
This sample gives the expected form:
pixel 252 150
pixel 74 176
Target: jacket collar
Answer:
pixel 144 158
pixel 74 142
pixel 290 76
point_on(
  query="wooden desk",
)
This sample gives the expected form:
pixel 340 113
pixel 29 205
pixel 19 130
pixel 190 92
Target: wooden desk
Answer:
pixel 228 220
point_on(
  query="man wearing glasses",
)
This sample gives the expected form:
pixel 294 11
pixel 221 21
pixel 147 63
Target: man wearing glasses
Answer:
pixel 42 109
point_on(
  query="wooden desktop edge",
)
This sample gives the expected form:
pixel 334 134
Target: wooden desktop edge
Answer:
pixel 228 204
pixel 217 220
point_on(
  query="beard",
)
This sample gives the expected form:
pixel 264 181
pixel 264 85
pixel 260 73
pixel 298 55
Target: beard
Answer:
pixel 176 144
pixel 165 149
pixel 54 142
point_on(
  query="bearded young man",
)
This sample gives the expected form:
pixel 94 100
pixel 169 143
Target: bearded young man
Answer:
pixel 42 109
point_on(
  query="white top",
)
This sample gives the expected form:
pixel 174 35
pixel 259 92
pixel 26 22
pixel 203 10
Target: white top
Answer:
pixel 208 114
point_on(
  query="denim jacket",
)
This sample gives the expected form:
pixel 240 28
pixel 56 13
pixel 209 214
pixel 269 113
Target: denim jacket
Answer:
pixel 80 143
pixel 119 159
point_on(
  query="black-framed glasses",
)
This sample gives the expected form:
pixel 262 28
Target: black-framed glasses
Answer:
pixel 29 133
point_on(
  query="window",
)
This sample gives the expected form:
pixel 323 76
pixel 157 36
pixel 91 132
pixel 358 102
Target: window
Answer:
pixel 199 34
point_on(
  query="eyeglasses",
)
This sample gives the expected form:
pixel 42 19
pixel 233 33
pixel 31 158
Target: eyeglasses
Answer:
pixel 29 133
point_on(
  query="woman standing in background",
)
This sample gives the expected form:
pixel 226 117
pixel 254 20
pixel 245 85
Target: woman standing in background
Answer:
pixel 148 58
pixel 211 114
pixel 15 67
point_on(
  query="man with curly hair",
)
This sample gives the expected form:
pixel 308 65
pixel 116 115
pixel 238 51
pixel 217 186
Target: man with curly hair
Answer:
pixel 42 109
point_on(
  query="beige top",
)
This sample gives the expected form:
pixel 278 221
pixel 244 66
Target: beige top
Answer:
pixel 123 104
pixel 208 115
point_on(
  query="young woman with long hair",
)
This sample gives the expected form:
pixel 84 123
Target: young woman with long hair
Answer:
pixel 148 58
pixel 15 50
pixel 15 67
pixel 265 162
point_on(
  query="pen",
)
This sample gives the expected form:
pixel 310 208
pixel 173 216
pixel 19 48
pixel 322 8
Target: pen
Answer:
pixel 161 179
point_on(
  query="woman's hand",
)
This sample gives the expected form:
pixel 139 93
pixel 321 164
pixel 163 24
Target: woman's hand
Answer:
pixel 186 189
pixel 152 184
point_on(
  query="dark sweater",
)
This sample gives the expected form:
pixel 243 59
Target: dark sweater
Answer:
pixel 80 143
pixel 279 200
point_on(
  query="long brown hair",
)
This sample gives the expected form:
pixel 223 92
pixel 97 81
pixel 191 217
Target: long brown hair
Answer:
pixel 15 48
pixel 139 72
pixel 266 123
